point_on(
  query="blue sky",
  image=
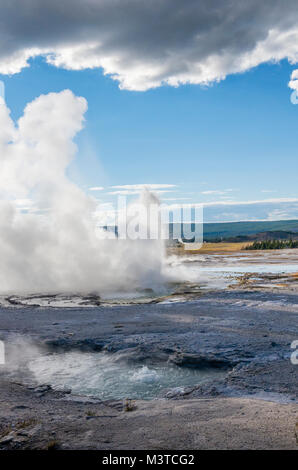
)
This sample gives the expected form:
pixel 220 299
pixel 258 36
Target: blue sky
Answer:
pixel 230 143
pixel 192 96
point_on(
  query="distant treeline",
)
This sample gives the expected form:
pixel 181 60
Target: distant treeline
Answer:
pixel 272 245
pixel 223 231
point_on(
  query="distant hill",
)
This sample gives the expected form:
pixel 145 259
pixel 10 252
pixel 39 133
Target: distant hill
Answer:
pixel 264 236
pixel 232 229
pixel 245 231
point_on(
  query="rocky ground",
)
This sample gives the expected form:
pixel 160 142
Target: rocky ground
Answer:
pixel 35 419
pixel 245 332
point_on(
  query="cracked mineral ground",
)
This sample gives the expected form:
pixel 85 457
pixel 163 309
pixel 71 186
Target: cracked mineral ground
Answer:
pixel 203 364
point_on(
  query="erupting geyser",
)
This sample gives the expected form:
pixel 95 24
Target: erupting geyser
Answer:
pixel 48 236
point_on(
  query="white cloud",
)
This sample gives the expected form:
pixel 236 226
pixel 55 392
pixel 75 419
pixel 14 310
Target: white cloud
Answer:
pixel 211 192
pixel 217 192
pixel 2 92
pixel 123 193
pixel 282 214
pixel 97 188
pixel 139 187
pixel 230 211
pixel 129 192
pixel 268 191
pixel 143 44
pixel 241 203
pixel 207 193
pixel 176 198
pixel 293 83
pixel 136 189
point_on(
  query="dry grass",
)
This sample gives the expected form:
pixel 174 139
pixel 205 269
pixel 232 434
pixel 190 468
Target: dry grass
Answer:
pixel 52 445
pixel 218 247
pixel 18 426
pixel 26 423
pixel 6 431
pixel 129 405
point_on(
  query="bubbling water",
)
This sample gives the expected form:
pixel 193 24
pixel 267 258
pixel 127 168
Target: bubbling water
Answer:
pixel 103 376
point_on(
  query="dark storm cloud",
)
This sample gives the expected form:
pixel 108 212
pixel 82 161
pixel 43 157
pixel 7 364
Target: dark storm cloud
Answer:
pixel 144 44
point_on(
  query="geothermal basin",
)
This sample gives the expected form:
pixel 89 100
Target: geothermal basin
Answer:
pixel 208 364
pixel 104 376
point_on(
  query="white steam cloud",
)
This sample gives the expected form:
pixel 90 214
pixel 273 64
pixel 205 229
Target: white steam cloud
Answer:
pixel 48 240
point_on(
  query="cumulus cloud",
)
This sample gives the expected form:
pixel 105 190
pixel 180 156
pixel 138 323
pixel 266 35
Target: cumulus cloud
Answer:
pixel 145 44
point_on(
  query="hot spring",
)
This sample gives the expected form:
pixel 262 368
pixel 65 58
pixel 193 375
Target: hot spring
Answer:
pixel 102 375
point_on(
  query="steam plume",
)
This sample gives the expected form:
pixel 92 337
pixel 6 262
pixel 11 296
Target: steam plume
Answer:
pixel 51 244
